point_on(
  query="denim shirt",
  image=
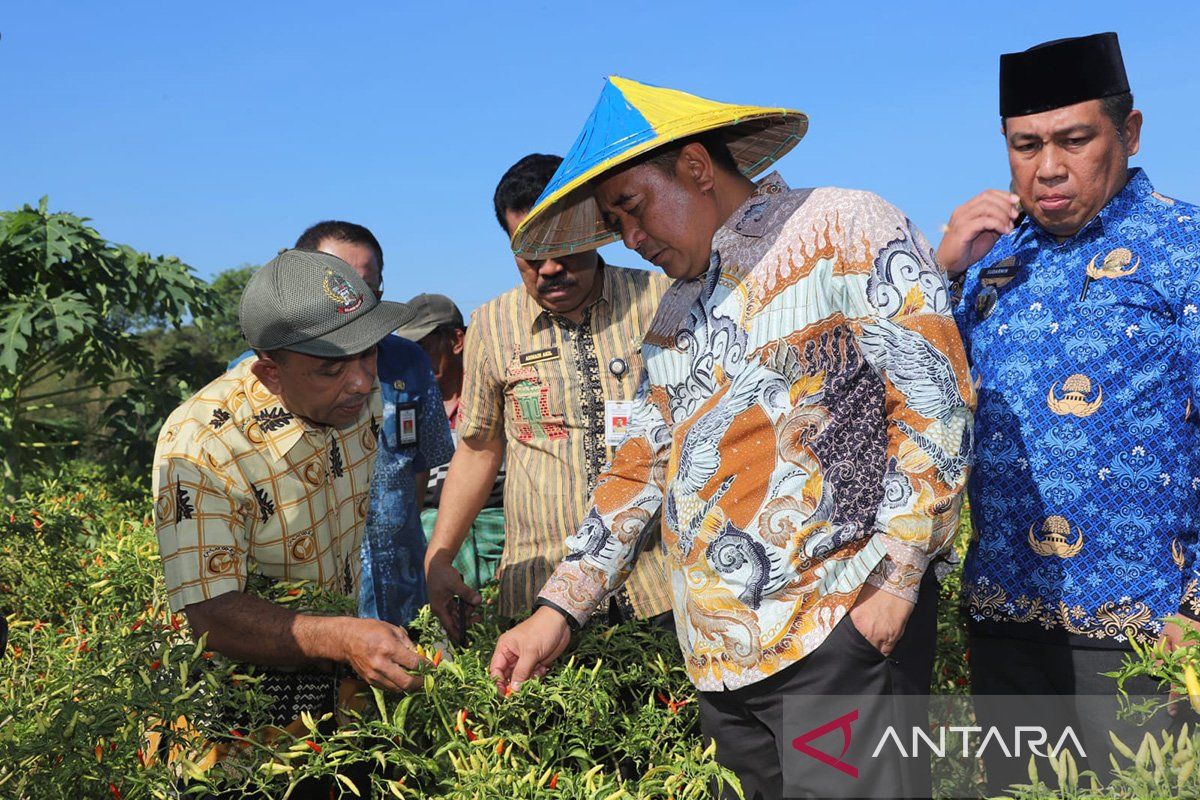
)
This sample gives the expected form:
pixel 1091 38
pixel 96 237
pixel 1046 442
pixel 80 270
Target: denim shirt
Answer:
pixel 413 438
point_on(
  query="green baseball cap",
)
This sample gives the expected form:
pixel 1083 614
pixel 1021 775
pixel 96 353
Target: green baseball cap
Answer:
pixel 314 303
pixel 430 312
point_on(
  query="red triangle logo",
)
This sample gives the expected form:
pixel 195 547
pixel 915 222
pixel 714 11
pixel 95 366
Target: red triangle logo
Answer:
pixel 842 723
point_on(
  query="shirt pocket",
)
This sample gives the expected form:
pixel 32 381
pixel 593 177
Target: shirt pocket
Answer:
pixel 1122 320
pixel 535 396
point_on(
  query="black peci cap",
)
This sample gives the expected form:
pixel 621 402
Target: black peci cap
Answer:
pixel 1061 73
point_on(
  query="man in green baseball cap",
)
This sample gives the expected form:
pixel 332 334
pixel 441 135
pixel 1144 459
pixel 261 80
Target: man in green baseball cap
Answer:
pixel 263 476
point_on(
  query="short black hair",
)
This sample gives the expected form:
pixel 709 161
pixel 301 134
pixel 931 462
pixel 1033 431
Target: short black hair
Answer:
pixel 665 157
pixel 1117 109
pixel 523 184
pixel 340 231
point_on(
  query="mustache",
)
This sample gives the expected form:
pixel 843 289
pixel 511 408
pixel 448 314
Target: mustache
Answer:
pixel 556 284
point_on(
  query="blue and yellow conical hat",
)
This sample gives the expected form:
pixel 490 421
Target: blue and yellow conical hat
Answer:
pixel 630 119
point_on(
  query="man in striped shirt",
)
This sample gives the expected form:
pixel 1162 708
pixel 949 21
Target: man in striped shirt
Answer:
pixel 551 368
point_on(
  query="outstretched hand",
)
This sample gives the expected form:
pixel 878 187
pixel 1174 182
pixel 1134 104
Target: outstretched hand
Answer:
pixel 528 649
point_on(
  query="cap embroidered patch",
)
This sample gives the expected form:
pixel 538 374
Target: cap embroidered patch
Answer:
pixel 341 292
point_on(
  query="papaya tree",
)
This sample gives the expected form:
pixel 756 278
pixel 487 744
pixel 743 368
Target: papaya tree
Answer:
pixel 75 310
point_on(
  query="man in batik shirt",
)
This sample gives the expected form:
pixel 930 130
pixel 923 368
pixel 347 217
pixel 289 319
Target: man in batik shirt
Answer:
pixel 1081 325
pixel 805 426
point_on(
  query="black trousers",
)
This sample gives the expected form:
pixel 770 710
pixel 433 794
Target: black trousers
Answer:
pixel 748 724
pixel 1008 666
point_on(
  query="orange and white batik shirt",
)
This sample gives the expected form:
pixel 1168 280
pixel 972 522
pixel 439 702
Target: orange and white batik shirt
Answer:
pixel 243 486
pixel 805 427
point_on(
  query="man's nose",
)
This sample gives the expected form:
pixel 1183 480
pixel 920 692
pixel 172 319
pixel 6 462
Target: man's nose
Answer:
pixel 362 377
pixel 632 236
pixel 1051 165
pixel 550 267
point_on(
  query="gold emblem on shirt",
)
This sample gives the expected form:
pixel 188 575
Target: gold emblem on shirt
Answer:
pixel 1115 264
pixel 220 560
pixel 1075 391
pixel 164 508
pixel 303 546
pixel 1177 554
pixel 314 473
pixel 1055 538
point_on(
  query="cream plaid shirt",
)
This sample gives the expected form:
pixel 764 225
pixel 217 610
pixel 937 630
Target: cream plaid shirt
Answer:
pixel 242 486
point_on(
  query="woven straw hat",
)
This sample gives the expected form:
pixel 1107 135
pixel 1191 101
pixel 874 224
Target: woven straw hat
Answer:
pixel 631 119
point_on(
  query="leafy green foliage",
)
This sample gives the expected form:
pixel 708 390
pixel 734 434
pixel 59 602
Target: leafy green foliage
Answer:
pixel 72 308
pixel 99 670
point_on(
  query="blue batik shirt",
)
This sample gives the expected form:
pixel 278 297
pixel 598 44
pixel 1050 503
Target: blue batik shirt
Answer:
pixel 1086 353
pixel 414 437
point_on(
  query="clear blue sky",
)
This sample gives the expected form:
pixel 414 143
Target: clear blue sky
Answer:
pixel 218 131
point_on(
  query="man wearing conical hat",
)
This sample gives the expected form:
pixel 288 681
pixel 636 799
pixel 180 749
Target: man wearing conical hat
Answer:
pixel 1079 305
pixel 804 427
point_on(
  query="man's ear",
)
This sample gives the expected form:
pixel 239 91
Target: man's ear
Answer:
pixel 695 162
pixel 266 369
pixel 458 342
pixel 1133 132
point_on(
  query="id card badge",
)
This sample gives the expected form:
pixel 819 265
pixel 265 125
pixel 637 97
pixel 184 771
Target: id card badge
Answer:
pixel 406 423
pixel 617 414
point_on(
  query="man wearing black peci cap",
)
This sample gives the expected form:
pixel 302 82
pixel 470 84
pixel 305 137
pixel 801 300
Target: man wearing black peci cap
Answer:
pixel 1081 325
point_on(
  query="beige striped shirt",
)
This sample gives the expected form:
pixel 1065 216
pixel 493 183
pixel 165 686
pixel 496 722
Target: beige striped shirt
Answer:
pixel 542 382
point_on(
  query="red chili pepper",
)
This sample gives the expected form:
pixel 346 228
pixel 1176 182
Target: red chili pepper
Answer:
pixel 174 623
pixel 83 647
pixel 137 624
pixel 500 747
pixel 207 655
pixel 665 700
pixel 316 748
pixel 471 735
pixel 235 733
pixel 437 658
pixel 99 751
pixel 141 757
pixel 155 664
pixel 554 781
pixel 294 592
pixel 508 690
pixel 112 788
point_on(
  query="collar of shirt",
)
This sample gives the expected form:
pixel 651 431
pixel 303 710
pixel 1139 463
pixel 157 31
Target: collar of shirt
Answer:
pixel 1134 193
pixel 752 219
pixel 539 316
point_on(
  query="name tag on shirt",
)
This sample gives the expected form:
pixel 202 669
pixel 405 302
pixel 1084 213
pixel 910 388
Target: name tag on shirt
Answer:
pixel 538 356
pixel 406 423
pixel 1001 273
pixel 617 414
